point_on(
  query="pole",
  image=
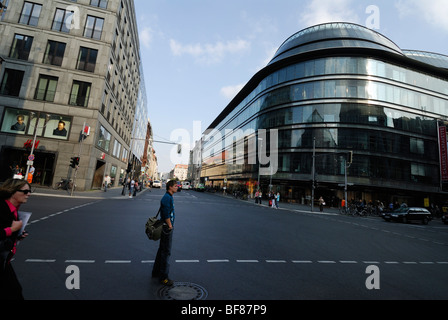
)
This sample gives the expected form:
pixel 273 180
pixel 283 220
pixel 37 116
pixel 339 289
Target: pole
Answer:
pixel 79 155
pixel 129 157
pixel 313 174
pixel 346 185
pixel 32 149
pixel 259 152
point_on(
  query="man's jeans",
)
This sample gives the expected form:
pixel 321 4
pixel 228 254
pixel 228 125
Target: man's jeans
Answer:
pixel 161 265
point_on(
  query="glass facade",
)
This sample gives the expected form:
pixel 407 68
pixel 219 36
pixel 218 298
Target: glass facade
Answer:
pixel 386 113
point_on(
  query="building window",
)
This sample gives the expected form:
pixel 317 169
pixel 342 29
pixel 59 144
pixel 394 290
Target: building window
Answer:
pixel 104 138
pixel 80 94
pixel 417 146
pixel 12 82
pixel 30 14
pixel 94 27
pixel 46 88
pixel 21 47
pixel 87 59
pixel 62 20
pixel 117 149
pixel 54 54
pixel 99 3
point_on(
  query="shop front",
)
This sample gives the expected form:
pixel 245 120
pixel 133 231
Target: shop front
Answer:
pixel 14 161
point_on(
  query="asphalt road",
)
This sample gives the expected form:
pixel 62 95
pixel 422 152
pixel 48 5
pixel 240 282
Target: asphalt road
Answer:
pixel 232 249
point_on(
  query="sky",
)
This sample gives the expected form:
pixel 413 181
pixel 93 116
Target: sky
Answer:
pixel 198 54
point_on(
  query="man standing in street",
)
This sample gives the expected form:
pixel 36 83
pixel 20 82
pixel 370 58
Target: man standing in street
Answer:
pixel 167 215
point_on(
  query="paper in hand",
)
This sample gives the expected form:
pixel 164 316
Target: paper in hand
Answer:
pixel 24 217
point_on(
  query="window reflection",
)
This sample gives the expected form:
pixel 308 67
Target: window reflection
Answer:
pixel 355 126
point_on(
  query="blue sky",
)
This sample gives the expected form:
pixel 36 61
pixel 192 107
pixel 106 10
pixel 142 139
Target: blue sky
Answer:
pixel 197 54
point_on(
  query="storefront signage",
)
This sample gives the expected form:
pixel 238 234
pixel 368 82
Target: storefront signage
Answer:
pixel 29 144
pixel 443 147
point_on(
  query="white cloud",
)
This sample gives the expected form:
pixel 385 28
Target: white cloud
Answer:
pixel 230 92
pixel 435 12
pixel 323 11
pixel 209 53
pixel 146 37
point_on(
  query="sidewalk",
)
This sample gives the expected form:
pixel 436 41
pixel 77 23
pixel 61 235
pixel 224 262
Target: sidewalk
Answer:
pixel 112 193
pixel 287 206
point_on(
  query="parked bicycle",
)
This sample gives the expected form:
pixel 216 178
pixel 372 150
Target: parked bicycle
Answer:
pixel 64 184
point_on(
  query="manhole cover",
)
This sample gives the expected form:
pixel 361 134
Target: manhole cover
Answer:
pixel 183 291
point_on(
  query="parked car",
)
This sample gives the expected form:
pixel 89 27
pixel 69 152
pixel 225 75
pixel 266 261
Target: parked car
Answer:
pixel 179 186
pixel 157 184
pixel 408 214
pixel 199 187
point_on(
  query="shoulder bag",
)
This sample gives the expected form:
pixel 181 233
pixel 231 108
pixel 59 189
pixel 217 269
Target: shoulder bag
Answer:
pixel 153 227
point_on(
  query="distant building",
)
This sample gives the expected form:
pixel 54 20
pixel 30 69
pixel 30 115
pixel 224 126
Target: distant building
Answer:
pixel 180 172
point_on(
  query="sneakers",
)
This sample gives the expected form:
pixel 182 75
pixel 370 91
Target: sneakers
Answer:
pixel 167 282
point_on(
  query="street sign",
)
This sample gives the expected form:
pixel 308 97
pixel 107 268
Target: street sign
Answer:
pixel 31 157
pixel 30 163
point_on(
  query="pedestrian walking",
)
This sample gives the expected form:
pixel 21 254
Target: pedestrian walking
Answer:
pixel 260 194
pixel 131 188
pixel 106 182
pixel 167 215
pixel 321 204
pixel 256 196
pixel 277 199
pixel 13 193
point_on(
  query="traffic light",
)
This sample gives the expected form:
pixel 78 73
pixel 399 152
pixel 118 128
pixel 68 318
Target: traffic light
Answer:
pixel 350 157
pixel 74 162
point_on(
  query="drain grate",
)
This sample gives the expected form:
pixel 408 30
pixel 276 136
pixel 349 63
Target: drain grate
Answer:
pixel 183 291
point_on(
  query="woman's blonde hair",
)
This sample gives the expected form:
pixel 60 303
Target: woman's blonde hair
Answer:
pixel 11 186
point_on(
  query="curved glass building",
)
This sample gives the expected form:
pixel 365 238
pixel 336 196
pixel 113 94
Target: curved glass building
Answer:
pixel 336 89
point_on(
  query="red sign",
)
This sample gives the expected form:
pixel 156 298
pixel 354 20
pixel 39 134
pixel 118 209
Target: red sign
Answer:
pixel 443 153
pixel 86 131
pixel 29 144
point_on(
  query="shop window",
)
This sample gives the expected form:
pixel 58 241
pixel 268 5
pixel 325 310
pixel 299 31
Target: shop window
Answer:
pixel 15 121
pixel 57 127
pixel 26 122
